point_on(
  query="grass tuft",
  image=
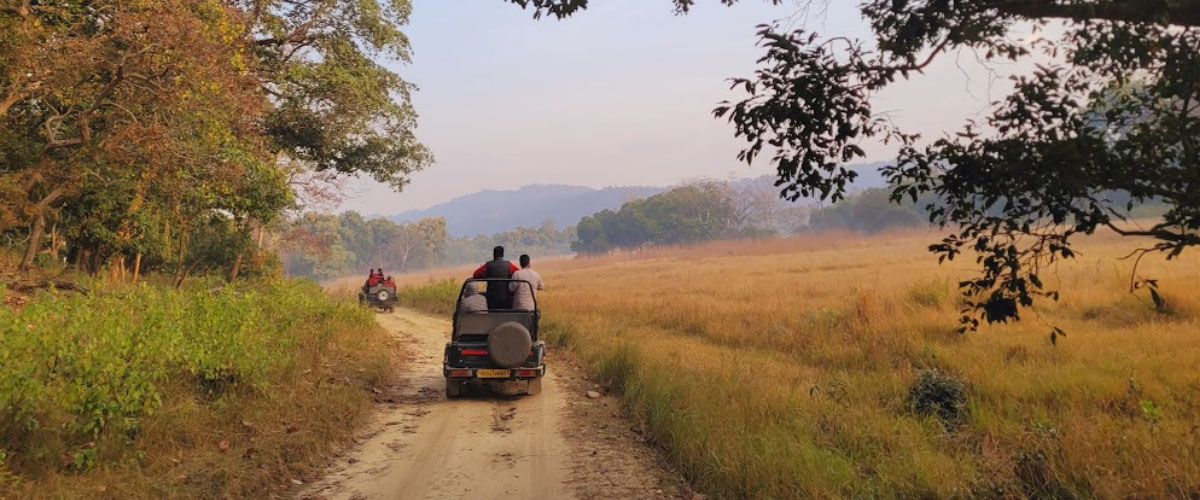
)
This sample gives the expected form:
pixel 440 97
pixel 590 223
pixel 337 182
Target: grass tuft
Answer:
pixel 939 394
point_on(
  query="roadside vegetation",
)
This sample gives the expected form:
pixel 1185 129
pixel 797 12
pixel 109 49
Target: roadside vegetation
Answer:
pixel 211 391
pixel 436 297
pixel 830 367
pixel 151 153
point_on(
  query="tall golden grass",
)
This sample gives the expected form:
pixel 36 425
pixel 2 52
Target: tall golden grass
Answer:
pixel 782 369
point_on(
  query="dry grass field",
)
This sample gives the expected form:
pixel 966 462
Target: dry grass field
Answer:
pixel 785 369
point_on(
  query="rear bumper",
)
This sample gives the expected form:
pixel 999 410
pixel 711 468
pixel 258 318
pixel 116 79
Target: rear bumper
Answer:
pixel 519 373
pixel 367 299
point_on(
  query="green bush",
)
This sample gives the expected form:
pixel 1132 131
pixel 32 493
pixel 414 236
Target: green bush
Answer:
pixel 939 394
pixel 86 369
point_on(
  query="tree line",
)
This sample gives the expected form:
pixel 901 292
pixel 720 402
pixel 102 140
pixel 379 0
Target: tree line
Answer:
pixel 697 211
pixel 325 246
pixel 173 135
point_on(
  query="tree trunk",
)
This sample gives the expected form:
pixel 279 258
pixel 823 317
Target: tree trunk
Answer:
pixel 179 261
pixel 237 265
pixel 116 269
pixel 181 277
pixel 35 242
pixel 81 259
pixel 54 241
pixel 39 227
pixel 137 267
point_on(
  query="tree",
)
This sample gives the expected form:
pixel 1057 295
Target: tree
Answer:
pixel 868 212
pixel 695 212
pixel 407 249
pixel 1116 110
pixel 336 107
pixel 118 128
pixel 436 238
pixel 134 124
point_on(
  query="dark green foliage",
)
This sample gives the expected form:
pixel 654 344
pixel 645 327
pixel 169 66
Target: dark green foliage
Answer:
pixel 939 394
pixel 687 214
pixel 564 8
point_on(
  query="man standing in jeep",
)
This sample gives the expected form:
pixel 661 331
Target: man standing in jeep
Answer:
pixel 522 294
pixel 498 297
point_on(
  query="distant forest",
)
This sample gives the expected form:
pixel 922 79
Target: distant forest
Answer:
pixel 325 246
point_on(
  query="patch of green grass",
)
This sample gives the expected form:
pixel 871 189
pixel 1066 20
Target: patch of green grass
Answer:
pixel 130 388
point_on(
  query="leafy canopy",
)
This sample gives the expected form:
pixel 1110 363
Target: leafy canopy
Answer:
pixel 336 106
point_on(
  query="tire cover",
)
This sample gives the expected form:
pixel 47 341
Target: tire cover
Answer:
pixel 383 295
pixel 509 344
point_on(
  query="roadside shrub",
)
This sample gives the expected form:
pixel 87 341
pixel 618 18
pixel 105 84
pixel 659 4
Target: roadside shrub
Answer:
pixel 939 394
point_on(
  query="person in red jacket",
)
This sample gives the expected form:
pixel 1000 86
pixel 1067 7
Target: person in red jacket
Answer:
pixel 498 264
pixel 498 297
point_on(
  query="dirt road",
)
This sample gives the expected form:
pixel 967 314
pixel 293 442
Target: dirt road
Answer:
pixel 558 444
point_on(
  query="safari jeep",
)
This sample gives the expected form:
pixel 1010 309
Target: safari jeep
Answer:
pixel 382 297
pixel 493 345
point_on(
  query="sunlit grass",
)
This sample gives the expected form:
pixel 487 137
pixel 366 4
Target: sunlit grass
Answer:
pixel 781 370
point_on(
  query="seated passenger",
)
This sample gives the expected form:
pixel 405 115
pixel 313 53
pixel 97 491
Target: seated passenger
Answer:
pixel 389 282
pixel 473 300
pixel 370 281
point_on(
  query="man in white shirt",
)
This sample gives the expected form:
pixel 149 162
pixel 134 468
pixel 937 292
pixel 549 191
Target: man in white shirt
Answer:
pixel 522 294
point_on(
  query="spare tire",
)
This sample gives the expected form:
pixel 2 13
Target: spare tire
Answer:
pixel 383 295
pixel 509 344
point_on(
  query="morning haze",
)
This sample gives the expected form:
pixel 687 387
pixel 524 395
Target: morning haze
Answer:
pixel 980 280
pixel 620 96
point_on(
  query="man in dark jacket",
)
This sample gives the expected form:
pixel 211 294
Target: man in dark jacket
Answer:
pixel 498 297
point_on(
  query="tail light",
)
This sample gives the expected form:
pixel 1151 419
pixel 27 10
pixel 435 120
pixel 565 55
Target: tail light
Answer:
pixel 474 352
pixel 460 373
pixel 527 373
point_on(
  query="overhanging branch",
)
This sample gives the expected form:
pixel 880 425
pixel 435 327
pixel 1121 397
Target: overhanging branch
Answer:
pixel 1173 12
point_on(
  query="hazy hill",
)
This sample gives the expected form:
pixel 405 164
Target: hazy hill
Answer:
pixel 491 211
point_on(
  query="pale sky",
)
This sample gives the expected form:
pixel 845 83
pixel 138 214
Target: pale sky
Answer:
pixel 620 94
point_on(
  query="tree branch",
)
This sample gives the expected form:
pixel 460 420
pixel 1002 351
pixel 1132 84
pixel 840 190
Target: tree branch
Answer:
pixel 913 66
pixel 1173 12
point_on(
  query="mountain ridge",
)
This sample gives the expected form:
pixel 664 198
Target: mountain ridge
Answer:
pixel 492 211
pixel 498 210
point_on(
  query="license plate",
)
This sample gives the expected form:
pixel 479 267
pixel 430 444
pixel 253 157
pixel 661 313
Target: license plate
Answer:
pixel 491 373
